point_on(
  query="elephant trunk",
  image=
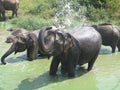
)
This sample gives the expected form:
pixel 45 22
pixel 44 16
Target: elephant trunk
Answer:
pixel 44 46
pixel 10 51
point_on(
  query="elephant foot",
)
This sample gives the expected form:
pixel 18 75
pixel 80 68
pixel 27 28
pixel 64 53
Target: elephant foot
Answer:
pixel 63 71
pixel 29 59
pixel 71 75
pixel 52 74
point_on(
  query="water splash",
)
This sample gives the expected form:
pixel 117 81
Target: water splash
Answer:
pixel 69 14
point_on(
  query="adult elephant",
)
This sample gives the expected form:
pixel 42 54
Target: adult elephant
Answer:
pixel 25 41
pixel 110 35
pixel 79 46
pixel 8 5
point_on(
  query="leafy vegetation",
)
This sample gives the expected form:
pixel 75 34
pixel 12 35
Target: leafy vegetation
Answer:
pixel 31 22
pixel 34 14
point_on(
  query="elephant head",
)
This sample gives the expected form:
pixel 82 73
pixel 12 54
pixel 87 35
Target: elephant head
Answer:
pixel 10 39
pixel 62 41
pixel 17 31
pixel 22 42
pixel 54 41
pixel 14 32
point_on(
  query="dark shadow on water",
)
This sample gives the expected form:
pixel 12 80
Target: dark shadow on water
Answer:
pixel 45 79
pixel 21 58
pixel 17 59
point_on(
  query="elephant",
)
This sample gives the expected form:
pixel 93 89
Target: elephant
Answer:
pixel 14 32
pixel 118 44
pixel 26 41
pixel 70 48
pixel 110 35
pixel 12 5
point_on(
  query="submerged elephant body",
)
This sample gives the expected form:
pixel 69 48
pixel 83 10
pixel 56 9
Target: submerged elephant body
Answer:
pixel 8 5
pixel 110 35
pixel 71 48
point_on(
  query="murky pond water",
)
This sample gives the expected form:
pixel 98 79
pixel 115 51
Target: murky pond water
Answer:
pixel 20 74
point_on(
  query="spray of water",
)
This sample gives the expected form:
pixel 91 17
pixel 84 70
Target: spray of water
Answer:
pixel 67 16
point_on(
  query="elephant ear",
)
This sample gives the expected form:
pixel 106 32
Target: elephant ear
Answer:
pixel 32 46
pixel 20 43
pixel 22 38
pixel 68 42
pixel 64 39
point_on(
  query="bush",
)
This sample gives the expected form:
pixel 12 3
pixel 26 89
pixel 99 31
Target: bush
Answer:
pixel 31 23
pixel 43 8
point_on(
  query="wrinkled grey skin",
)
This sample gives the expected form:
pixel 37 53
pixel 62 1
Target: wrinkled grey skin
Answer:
pixel 79 46
pixel 8 5
pixel 25 41
pixel 14 32
pixel 22 42
pixel 118 44
pixel 110 35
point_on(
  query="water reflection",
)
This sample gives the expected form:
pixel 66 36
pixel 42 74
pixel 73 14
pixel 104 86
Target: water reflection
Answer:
pixel 106 50
pixel 107 72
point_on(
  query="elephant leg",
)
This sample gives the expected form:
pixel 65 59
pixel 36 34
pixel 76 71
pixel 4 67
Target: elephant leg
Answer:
pixel 118 46
pixel 71 69
pixel 32 47
pixel 113 48
pixel 13 12
pixel 32 53
pixel 64 68
pixel 71 63
pixel 63 64
pixel 16 12
pixel 114 44
pixel 0 15
pixel 54 65
pixel 92 61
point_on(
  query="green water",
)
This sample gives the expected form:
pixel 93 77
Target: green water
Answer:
pixel 20 74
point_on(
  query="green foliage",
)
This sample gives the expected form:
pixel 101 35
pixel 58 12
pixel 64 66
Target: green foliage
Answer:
pixel 34 14
pixel 101 9
pixel 43 8
pixel 31 23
